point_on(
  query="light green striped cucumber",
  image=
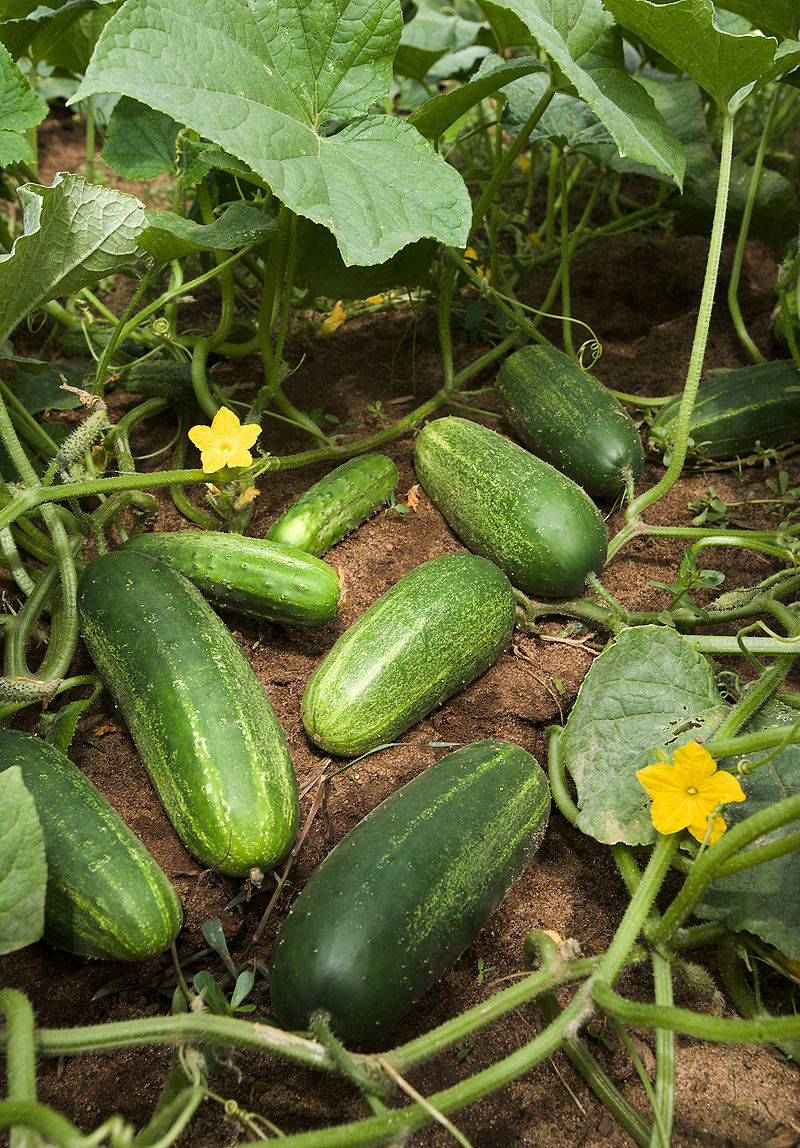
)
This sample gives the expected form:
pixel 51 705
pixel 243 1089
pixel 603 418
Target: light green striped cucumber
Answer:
pixel 106 896
pixel 203 724
pixel 503 502
pixel 265 579
pixel 337 504
pixel 427 637
pixel 570 419
pixel 401 896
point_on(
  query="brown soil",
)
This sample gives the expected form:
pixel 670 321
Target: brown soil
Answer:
pixel 640 295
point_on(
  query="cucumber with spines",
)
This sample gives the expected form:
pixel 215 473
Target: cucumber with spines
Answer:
pixel 106 896
pixel 401 896
pixel 255 576
pixel 426 638
pixel 202 722
pixel 337 504
pixel 539 526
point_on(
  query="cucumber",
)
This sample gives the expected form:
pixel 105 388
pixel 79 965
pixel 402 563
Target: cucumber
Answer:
pixel 266 579
pixel 337 504
pixel 401 896
pixel 106 896
pixel 503 502
pixel 734 410
pixel 427 637
pixel 203 724
pixel 161 378
pixel 570 419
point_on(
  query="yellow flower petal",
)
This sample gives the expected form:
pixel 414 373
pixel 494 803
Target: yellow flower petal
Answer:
pixel 686 792
pixel 693 762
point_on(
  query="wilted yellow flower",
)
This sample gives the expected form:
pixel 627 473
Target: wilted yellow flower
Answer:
pixel 524 163
pixel 685 793
pixel 226 442
pixel 333 321
pixel 374 300
pixel 471 257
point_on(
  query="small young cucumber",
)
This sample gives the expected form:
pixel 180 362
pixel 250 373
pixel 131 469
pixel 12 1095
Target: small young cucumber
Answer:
pixel 734 410
pixel 401 896
pixel 570 419
pixel 106 896
pixel 427 637
pixel 337 504
pixel 265 579
pixel 203 724
pixel 539 526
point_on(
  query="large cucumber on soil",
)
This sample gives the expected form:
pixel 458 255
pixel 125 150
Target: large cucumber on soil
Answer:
pixel 106 896
pixel 337 504
pixel 427 637
pixel 503 502
pixel 266 579
pixel 403 894
pixel 734 410
pixel 203 724
pixel 567 417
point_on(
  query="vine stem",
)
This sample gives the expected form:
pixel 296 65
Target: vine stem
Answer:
pixel 21 1067
pixel 665 484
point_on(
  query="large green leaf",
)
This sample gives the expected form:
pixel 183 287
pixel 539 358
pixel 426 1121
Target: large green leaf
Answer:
pixel 764 900
pixel 270 82
pixel 581 40
pixel 74 234
pixel 567 122
pixel 23 871
pixel 648 688
pixel 140 142
pixel 429 35
pixel 728 66
pixel 20 109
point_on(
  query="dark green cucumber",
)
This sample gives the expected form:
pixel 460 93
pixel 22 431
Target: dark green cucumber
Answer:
pixel 106 896
pixel 161 378
pixel 266 579
pixel 397 901
pixel 337 504
pixel 503 502
pixel 427 637
pixel 734 410
pixel 570 419
pixel 203 724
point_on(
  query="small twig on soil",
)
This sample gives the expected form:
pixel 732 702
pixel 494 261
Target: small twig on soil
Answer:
pixel 525 657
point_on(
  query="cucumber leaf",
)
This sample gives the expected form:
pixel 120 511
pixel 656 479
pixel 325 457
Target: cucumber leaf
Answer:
pixel 765 899
pixel 774 17
pixel 438 114
pixel 140 142
pixel 648 688
pixel 169 236
pixel 20 109
pixel 23 871
pixel 74 234
pixel 289 89
pixel 567 123
pixel 585 46
pixel 729 67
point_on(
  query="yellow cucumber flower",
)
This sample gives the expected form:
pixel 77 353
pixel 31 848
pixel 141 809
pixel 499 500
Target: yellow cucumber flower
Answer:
pixel 226 442
pixel 333 321
pixel 686 792
pixel 471 257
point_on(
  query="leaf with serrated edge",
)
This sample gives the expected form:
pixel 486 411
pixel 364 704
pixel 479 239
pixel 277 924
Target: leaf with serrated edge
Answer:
pixel 168 236
pixel 648 688
pixel 582 41
pixel 263 79
pixel 23 870
pixel 75 233
pixel 20 109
